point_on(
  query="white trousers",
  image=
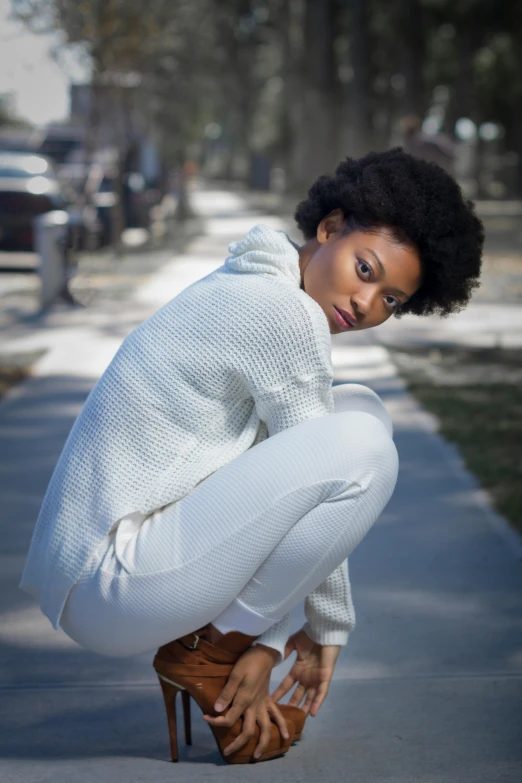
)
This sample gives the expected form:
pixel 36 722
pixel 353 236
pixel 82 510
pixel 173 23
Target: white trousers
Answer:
pixel 267 528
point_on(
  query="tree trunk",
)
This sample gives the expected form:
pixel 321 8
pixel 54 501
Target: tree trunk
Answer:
pixel 412 57
pixel 316 144
pixel 463 102
pixel 290 108
pixel 360 92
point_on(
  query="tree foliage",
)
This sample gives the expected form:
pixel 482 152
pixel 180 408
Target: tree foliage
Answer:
pixel 308 81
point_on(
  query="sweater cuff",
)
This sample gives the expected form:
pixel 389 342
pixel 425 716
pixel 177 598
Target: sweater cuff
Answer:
pixel 329 634
pixel 276 637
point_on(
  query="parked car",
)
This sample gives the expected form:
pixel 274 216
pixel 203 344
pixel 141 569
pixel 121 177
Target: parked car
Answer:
pixel 28 187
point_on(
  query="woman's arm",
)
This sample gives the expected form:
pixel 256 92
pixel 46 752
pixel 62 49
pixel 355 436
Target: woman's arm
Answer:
pixel 329 612
pixel 329 609
pixel 283 354
pixel 285 360
pixel 288 371
pixel 276 637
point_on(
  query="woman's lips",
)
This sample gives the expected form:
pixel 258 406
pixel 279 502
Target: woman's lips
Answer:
pixel 342 321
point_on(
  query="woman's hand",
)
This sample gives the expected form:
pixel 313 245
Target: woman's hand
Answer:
pixel 247 690
pixel 312 669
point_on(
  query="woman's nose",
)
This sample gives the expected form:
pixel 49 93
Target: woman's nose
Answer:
pixel 362 302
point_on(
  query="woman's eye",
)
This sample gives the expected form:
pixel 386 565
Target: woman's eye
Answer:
pixel 367 272
pixel 364 267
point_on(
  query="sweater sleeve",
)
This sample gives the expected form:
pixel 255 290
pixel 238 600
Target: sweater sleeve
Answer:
pixel 329 609
pixel 281 406
pixel 305 393
pixel 329 612
pixel 276 636
pixel 285 360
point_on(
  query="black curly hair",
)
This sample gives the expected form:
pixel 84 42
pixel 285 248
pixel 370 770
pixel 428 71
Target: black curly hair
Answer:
pixel 422 206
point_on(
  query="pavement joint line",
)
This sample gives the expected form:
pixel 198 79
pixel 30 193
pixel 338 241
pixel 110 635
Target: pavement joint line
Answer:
pixel 144 685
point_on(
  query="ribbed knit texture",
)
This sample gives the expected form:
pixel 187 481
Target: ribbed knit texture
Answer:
pixel 260 534
pixel 239 355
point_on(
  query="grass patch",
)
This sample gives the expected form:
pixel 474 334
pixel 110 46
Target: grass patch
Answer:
pixel 15 367
pixel 477 396
pixel 11 375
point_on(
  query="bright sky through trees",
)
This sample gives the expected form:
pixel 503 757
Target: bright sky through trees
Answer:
pixel 27 71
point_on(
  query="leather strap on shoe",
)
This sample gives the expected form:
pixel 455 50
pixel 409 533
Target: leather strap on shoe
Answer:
pixel 190 641
pixel 194 643
pixel 184 670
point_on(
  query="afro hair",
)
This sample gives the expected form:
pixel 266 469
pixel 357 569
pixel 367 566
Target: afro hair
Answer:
pixel 422 206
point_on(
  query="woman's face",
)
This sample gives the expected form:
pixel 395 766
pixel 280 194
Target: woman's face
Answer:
pixel 365 275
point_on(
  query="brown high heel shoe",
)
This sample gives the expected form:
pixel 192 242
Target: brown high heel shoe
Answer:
pixel 198 669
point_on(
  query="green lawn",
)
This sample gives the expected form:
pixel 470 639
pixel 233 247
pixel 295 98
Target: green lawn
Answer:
pixel 477 396
pixel 11 375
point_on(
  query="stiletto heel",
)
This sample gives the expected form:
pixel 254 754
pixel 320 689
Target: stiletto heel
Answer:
pixel 170 691
pixel 185 698
pixel 200 669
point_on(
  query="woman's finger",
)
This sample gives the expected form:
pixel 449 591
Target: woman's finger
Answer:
pixel 297 696
pixel 284 687
pixel 320 696
pixel 278 718
pixel 264 736
pixel 229 719
pixel 242 701
pixel 247 732
pixel 228 693
pixel 309 700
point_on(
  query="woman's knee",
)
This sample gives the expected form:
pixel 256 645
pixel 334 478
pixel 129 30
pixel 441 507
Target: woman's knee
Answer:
pixel 368 453
pixel 356 397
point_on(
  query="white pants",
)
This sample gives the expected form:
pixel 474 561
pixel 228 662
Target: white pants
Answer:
pixel 267 528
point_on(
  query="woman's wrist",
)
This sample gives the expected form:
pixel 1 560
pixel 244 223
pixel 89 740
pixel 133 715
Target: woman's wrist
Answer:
pixel 266 653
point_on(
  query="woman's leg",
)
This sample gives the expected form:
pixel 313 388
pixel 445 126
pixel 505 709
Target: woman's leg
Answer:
pixel 262 597
pixel 269 526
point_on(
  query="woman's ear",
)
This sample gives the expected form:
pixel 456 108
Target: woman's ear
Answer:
pixel 332 224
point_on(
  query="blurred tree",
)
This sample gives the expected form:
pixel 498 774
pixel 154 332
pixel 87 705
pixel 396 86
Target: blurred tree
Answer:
pixel 412 56
pixel 317 134
pixel 243 31
pixel 10 120
pixel 361 98
pixel 150 64
pixel 307 81
pixel 474 50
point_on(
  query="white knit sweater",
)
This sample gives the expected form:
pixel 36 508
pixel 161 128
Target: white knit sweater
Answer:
pixel 239 355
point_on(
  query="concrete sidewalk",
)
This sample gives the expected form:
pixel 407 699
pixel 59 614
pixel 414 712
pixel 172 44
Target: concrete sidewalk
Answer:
pixel 430 686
